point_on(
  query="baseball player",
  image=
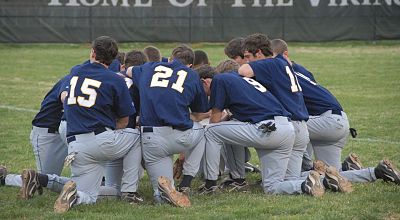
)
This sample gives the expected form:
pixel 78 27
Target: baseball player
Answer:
pixel 328 124
pixel 167 92
pixel 279 78
pixel 259 120
pixel 97 110
pixel 48 147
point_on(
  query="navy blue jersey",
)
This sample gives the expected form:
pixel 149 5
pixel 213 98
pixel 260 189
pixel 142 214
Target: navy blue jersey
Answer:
pixel 115 66
pixel 96 98
pixel 164 59
pixel 65 84
pixel 245 98
pixel 51 109
pixel 277 75
pixel 317 99
pixel 134 93
pixel 167 92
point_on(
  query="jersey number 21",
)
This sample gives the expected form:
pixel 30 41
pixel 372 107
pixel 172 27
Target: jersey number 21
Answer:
pixel 161 75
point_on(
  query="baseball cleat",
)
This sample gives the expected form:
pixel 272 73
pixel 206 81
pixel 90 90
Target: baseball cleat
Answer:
pixel 387 171
pixel 169 193
pixel 312 185
pixel 3 175
pixel 234 186
pixel 352 162
pixel 132 197
pixel 337 183
pixel 203 190
pixel 67 198
pixel 320 166
pixel 30 183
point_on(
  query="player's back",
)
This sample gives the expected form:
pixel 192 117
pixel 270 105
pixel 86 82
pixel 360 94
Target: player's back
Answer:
pixel 246 98
pixel 97 97
pixel 317 98
pixel 277 75
pixel 167 91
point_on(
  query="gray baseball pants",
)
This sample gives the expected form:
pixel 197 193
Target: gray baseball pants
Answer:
pixel 49 150
pixel 299 148
pixel 273 149
pixel 159 144
pixel 62 129
pixel 328 136
pixel 91 154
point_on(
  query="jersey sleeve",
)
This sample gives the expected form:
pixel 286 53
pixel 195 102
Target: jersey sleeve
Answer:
pixel 123 104
pixel 218 97
pixel 200 101
pixel 261 72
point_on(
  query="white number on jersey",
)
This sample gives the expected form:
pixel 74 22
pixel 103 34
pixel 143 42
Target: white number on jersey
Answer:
pixel 162 73
pixel 294 84
pixel 85 89
pixel 256 84
pixel 306 78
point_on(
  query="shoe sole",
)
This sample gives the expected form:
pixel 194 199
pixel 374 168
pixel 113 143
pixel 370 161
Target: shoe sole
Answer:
pixel 62 204
pixel 28 179
pixel 170 194
pixel 393 170
pixel 317 190
pixel 344 185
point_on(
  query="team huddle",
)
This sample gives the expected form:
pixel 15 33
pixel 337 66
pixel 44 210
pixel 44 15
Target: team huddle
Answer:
pixel 116 115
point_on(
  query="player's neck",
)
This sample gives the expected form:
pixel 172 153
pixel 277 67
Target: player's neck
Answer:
pixel 95 61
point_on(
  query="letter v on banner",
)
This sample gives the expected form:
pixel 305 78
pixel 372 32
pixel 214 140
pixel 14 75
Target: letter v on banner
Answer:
pixel 314 3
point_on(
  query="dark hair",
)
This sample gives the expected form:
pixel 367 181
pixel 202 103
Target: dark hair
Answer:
pixel 200 58
pixel 153 53
pixel 120 57
pixel 278 46
pixel 205 71
pixel 227 66
pixel 184 54
pixel 135 58
pixel 106 49
pixel 234 48
pixel 255 42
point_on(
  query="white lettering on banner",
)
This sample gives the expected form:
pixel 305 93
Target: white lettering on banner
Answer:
pixel 268 3
pixel 115 3
pixel 314 3
pixel 202 3
pixel 186 3
pixel 361 2
pixel 86 3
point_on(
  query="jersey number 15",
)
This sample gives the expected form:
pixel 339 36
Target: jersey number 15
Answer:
pixel 82 101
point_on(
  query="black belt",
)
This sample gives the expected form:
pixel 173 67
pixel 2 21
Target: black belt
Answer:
pixel 337 112
pixel 53 130
pixel 146 129
pixel 96 132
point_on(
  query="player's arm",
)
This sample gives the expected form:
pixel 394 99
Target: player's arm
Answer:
pixel 122 122
pixel 216 115
pixel 246 71
pixel 63 95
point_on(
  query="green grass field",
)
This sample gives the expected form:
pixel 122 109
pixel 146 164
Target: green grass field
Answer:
pixel 364 76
